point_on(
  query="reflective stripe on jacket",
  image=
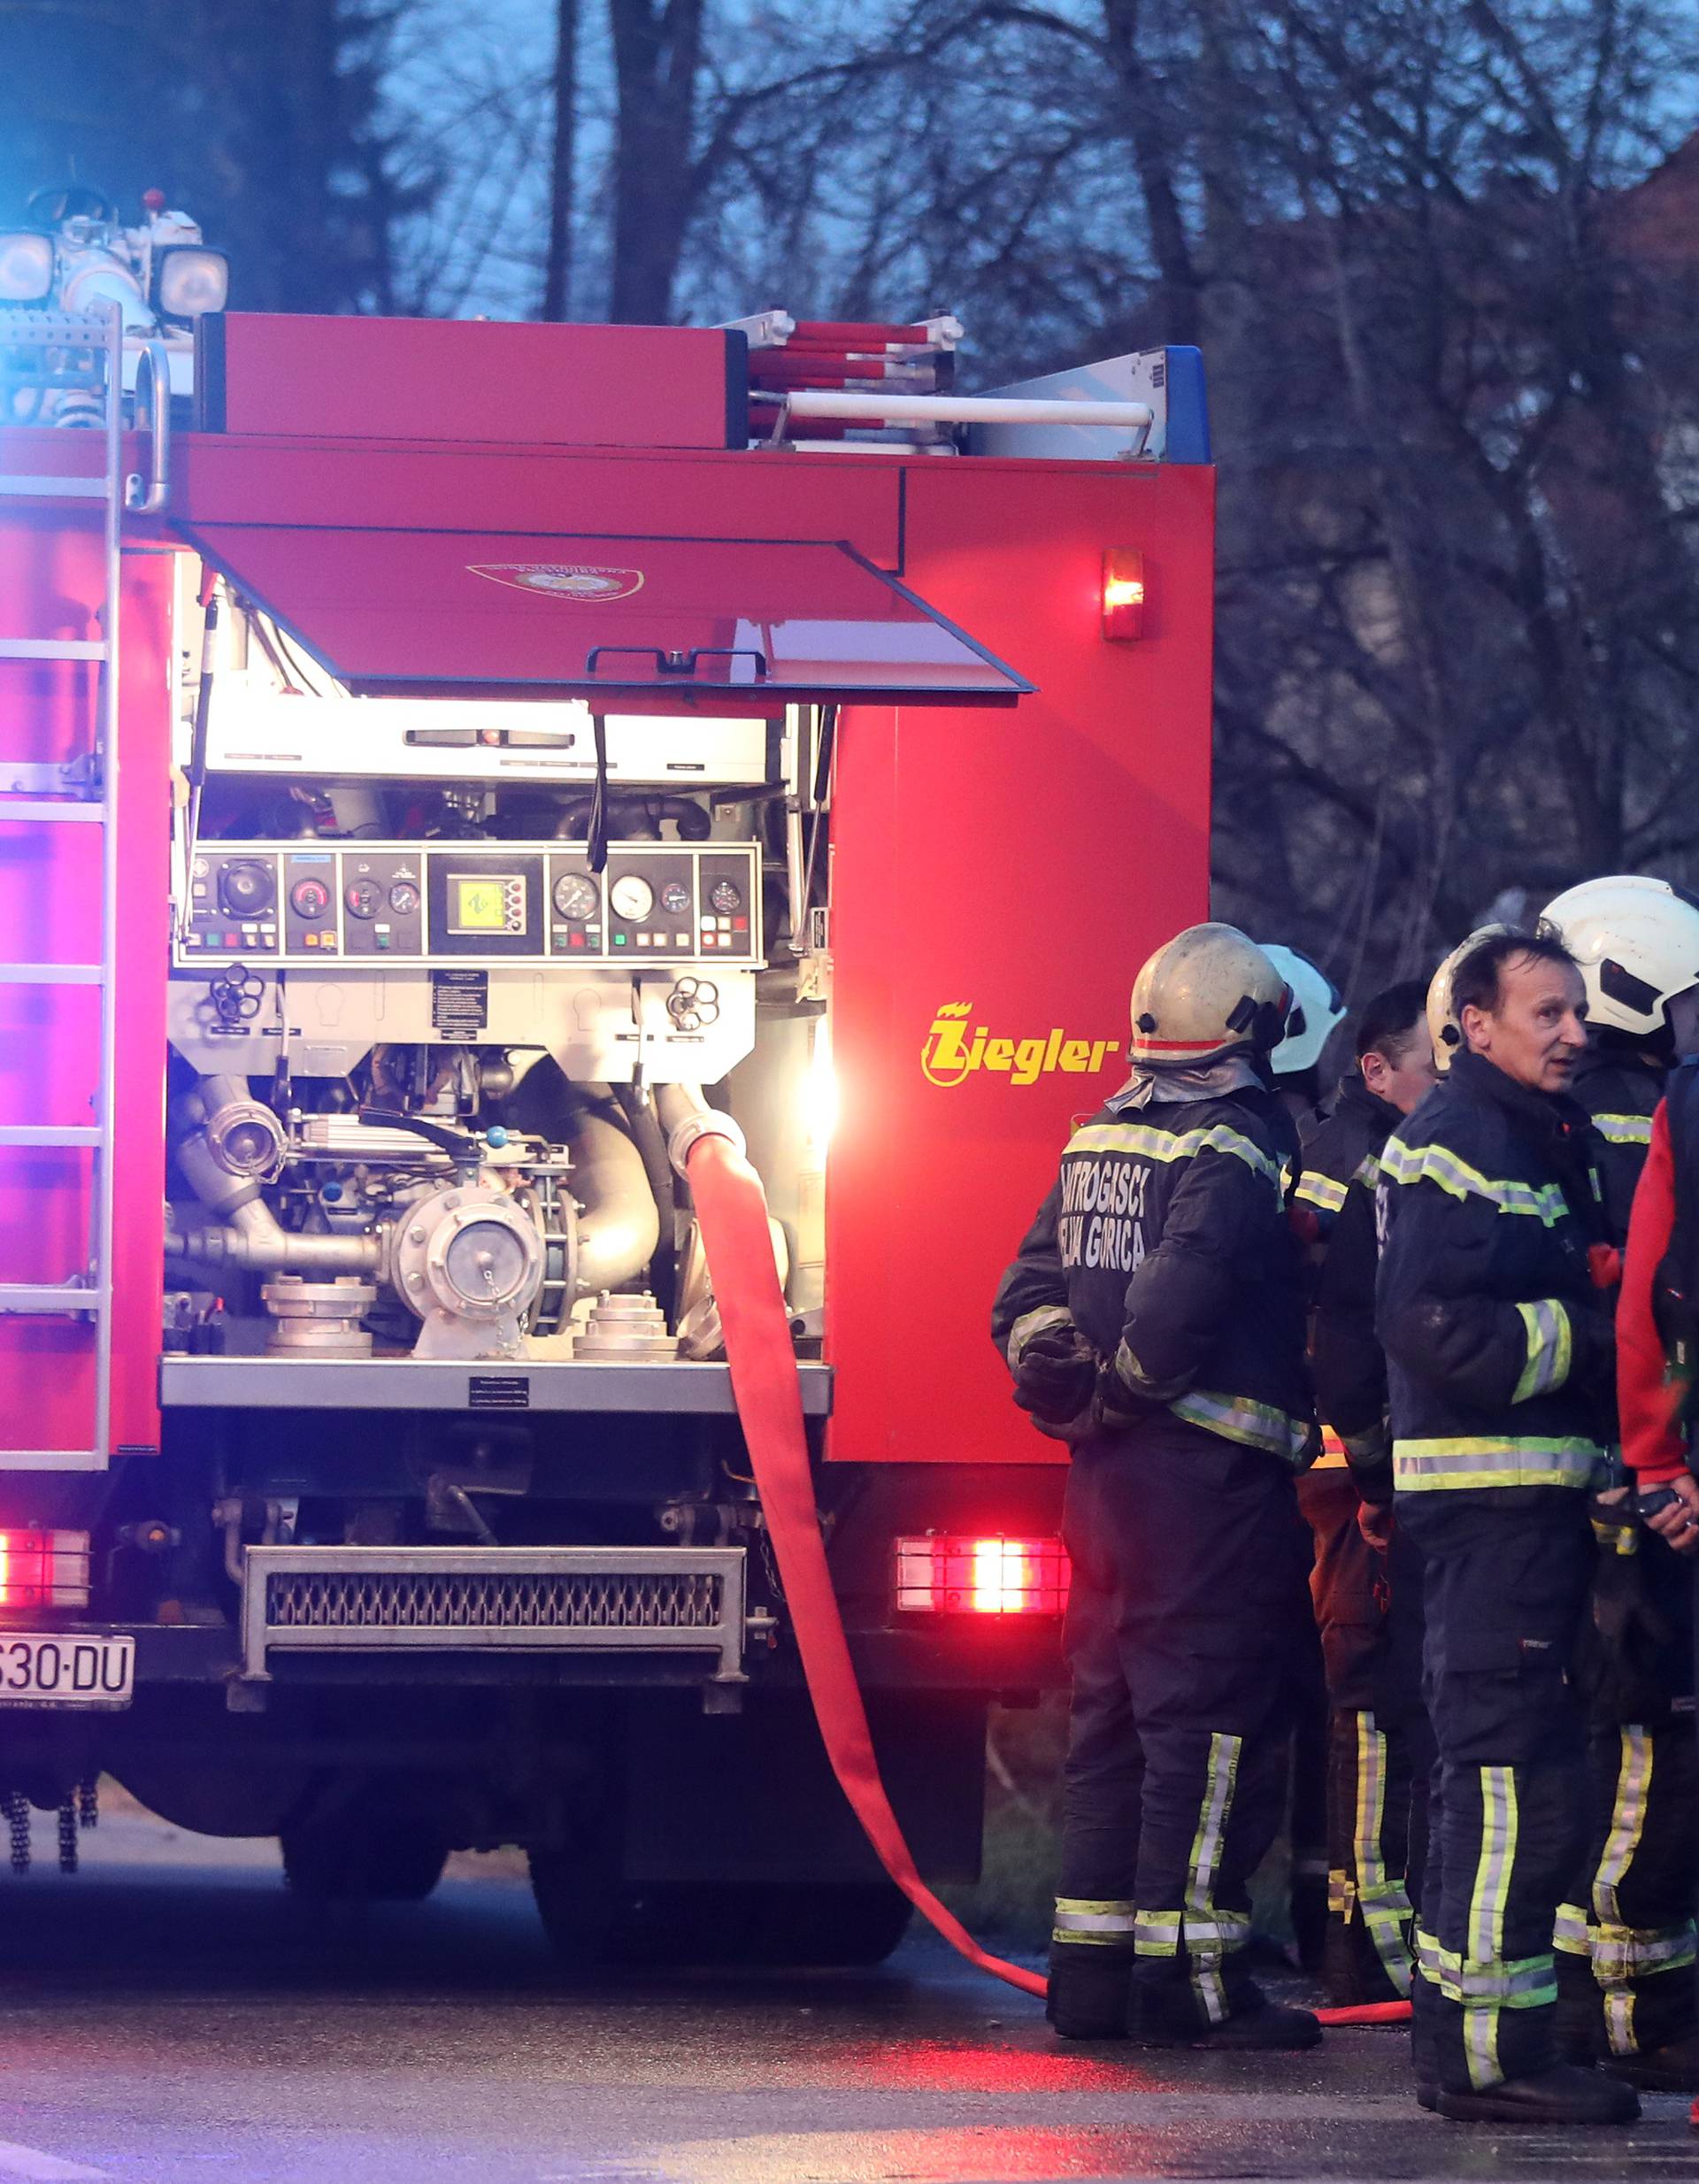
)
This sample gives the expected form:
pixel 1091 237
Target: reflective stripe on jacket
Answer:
pixel 1496 1341
pixel 1164 1241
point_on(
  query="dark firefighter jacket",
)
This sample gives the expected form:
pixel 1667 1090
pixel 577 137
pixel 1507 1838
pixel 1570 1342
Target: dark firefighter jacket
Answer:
pixel 1165 1242
pixel 1498 1345
pixel 1620 1093
pixel 1341 1168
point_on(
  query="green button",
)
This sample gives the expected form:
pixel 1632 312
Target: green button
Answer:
pixel 620 940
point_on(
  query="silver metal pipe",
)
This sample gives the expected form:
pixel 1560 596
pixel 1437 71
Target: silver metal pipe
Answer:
pixel 253 1240
pixel 620 1224
pixel 895 409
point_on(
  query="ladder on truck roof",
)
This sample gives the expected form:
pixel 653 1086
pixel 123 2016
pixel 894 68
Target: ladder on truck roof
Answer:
pixel 83 791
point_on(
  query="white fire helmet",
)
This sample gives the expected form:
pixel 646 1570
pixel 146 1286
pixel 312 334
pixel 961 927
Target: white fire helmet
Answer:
pixel 1443 1026
pixel 1207 992
pixel 1316 1008
pixel 1637 942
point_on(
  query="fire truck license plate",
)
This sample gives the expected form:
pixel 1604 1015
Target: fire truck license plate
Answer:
pixel 66 1670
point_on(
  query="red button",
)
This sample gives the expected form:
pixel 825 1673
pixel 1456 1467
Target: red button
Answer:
pixel 233 940
pixel 575 940
pixel 739 925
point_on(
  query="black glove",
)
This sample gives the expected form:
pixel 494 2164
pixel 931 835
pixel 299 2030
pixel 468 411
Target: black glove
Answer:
pixel 1056 1375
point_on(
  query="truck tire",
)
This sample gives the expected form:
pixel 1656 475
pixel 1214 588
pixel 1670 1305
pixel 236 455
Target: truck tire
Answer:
pixel 828 1926
pixel 353 1857
pixel 577 1904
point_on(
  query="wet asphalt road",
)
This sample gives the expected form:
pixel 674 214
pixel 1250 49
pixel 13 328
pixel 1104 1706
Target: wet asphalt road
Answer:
pixel 170 2014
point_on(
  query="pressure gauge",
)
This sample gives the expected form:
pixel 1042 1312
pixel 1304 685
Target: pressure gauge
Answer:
pixel 632 897
pixel 726 897
pixel 576 897
pixel 404 898
pixel 309 898
pixel 363 897
pixel 675 897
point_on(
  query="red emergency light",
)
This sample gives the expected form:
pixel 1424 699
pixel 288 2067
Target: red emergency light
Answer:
pixel 44 1570
pixel 1123 594
pixel 961 1575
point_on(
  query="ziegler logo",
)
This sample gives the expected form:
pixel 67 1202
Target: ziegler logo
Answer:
pixel 952 1053
pixel 562 580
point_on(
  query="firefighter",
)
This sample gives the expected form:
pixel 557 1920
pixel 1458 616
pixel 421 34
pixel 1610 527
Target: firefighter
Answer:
pixel 1499 1365
pixel 1657 1333
pixel 1377 1728
pixel 1153 1320
pixel 1317 1011
pixel 1626 1942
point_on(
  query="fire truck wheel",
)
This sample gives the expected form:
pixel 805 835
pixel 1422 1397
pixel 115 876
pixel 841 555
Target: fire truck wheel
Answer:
pixel 351 1856
pixel 827 1925
pixel 577 1907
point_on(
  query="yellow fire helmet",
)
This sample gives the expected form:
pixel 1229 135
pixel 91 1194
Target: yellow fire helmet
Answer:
pixel 1443 1026
pixel 1207 992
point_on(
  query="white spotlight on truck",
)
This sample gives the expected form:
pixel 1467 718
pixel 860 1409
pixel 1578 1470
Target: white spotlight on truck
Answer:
pixel 188 281
pixel 25 266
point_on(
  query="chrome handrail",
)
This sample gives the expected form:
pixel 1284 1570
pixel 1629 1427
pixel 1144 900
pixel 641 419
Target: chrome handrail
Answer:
pixel 149 498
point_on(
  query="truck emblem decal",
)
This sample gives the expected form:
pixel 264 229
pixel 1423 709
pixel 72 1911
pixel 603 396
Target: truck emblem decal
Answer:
pixel 950 1052
pixel 562 580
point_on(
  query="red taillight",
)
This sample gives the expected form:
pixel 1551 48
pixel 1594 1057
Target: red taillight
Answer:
pixel 1123 594
pixel 961 1575
pixel 44 1570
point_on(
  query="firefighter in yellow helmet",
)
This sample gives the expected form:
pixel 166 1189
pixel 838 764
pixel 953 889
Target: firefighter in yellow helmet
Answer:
pixel 1153 1320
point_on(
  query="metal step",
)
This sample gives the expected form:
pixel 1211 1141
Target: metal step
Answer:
pixel 17 484
pixel 52 974
pixel 34 810
pixel 49 1134
pixel 50 1296
pixel 52 649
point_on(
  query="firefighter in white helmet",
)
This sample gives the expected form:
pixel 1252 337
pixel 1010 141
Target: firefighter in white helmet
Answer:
pixel 1316 1011
pixel 1154 1319
pixel 1625 1938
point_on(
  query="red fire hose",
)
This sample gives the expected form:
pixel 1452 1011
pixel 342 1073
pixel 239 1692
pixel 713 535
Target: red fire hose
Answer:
pixel 732 1210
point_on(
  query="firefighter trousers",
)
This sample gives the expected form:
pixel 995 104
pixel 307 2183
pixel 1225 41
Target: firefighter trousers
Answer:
pixel 1507 1575
pixel 1188 1592
pixel 1373 1757
pixel 1626 1940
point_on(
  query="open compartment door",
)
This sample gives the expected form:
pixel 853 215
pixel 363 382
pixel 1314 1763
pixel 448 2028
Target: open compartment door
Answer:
pixel 405 613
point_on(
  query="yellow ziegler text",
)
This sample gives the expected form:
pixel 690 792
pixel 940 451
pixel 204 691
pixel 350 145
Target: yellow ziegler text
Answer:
pixel 953 1051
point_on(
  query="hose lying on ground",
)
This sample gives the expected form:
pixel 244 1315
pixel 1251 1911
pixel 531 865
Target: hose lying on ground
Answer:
pixel 732 1211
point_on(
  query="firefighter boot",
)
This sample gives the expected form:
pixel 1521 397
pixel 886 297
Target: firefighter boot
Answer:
pixel 1087 1997
pixel 1168 2013
pixel 1671 2068
pixel 1560 2094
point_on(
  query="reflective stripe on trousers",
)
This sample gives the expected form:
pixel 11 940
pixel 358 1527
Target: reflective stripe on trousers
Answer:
pixel 1100 1923
pixel 1383 1901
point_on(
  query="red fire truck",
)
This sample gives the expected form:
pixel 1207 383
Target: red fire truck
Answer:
pixel 440 777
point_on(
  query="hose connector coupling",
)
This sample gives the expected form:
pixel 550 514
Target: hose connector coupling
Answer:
pixel 705 1122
